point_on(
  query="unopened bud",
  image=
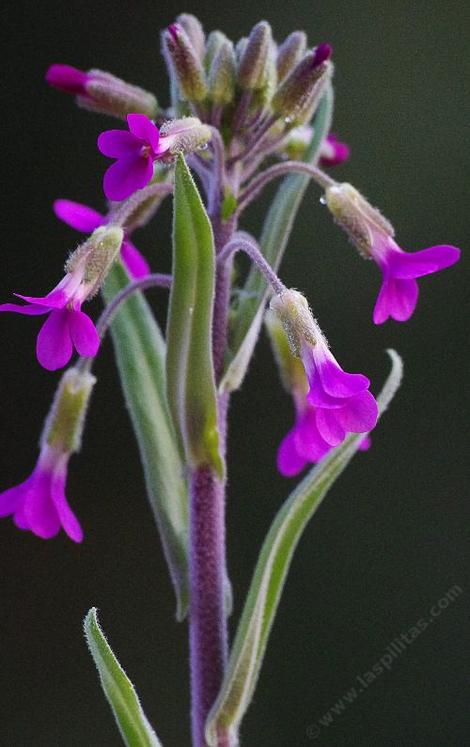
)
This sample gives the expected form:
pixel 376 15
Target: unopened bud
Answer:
pixel 252 67
pixel 107 94
pixel 95 256
pixel 291 368
pixel 290 52
pixel 195 32
pixel 214 41
pixel 186 63
pixel 185 135
pixel 64 425
pixel 222 74
pixel 356 216
pixel 240 49
pixel 299 93
pixel 292 310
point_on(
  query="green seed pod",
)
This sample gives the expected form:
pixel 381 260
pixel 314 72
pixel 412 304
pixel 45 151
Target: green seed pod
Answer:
pixel 64 424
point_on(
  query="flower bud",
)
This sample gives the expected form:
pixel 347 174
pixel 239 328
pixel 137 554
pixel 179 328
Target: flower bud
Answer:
pixel 290 52
pixel 185 62
pixel 185 135
pixel 64 425
pixel 356 216
pixel 195 32
pixel 95 257
pixel 214 41
pixel 222 74
pixel 107 94
pixel 299 94
pixel 252 66
pixel 292 310
pixel 291 368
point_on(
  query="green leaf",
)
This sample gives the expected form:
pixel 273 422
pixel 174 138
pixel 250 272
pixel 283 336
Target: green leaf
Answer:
pixel 130 718
pixel 270 574
pixel 190 371
pixel 248 315
pixel 140 355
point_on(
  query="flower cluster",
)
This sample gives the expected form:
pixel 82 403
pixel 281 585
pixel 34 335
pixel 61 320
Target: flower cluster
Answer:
pixel 242 114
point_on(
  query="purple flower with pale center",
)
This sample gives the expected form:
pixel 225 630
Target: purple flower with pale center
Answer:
pixel 135 152
pixel 333 151
pixel 398 294
pixel 86 219
pixel 39 503
pixel 304 444
pixel 66 326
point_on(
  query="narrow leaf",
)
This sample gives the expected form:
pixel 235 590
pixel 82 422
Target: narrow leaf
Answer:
pixel 270 574
pixel 140 355
pixel 277 226
pixel 130 718
pixel 191 385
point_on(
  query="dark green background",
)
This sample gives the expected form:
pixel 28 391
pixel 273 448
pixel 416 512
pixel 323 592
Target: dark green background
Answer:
pixel 391 538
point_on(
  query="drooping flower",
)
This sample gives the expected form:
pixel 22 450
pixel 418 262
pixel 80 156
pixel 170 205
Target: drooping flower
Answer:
pixel 373 236
pixel 137 150
pixel 39 503
pixel 86 219
pixel 67 326
pixel 102 92
pixel 329 402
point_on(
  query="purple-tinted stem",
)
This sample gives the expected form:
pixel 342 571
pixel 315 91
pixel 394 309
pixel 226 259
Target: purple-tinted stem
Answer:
pixel 207 620
pixel 248 245
pixel 281 169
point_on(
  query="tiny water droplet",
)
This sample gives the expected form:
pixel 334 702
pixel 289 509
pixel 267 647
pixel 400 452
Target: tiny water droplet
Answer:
pixel 323 200
pixel 203 146
pixel 288 120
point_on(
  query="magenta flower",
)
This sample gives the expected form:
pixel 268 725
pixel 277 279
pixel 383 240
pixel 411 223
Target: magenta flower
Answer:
pixel 39 504
pixel 333 151
pixel 135 152
pixel 373 236
pixel 85 219
pixel 342 401
pixel 67 326
pixel 398 294
pixel 304 444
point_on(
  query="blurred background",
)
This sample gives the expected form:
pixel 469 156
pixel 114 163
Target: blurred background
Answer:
pixel 390 540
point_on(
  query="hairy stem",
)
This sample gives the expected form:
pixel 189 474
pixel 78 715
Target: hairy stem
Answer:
pixel 207 577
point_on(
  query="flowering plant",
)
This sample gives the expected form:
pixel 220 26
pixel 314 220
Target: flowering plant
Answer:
pixel 240 117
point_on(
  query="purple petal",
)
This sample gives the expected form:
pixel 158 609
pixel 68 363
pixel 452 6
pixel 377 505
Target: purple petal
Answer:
pixel 339 383
pixel 56 299
pixel 329 427
pixel 143 128
pixel 11 499
pixel 134 261
pixel 54 345
pixel 365 444
pixel 83 333
pixel 397 298
pixel 407 265
pixel 78 216
pixel 32 310
pixel 289 462
pixel 359 414
pixel 67 78
pixel 310 443
pixel 126 176
pixel 118 143
pixel 66 516
pixel 39 513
